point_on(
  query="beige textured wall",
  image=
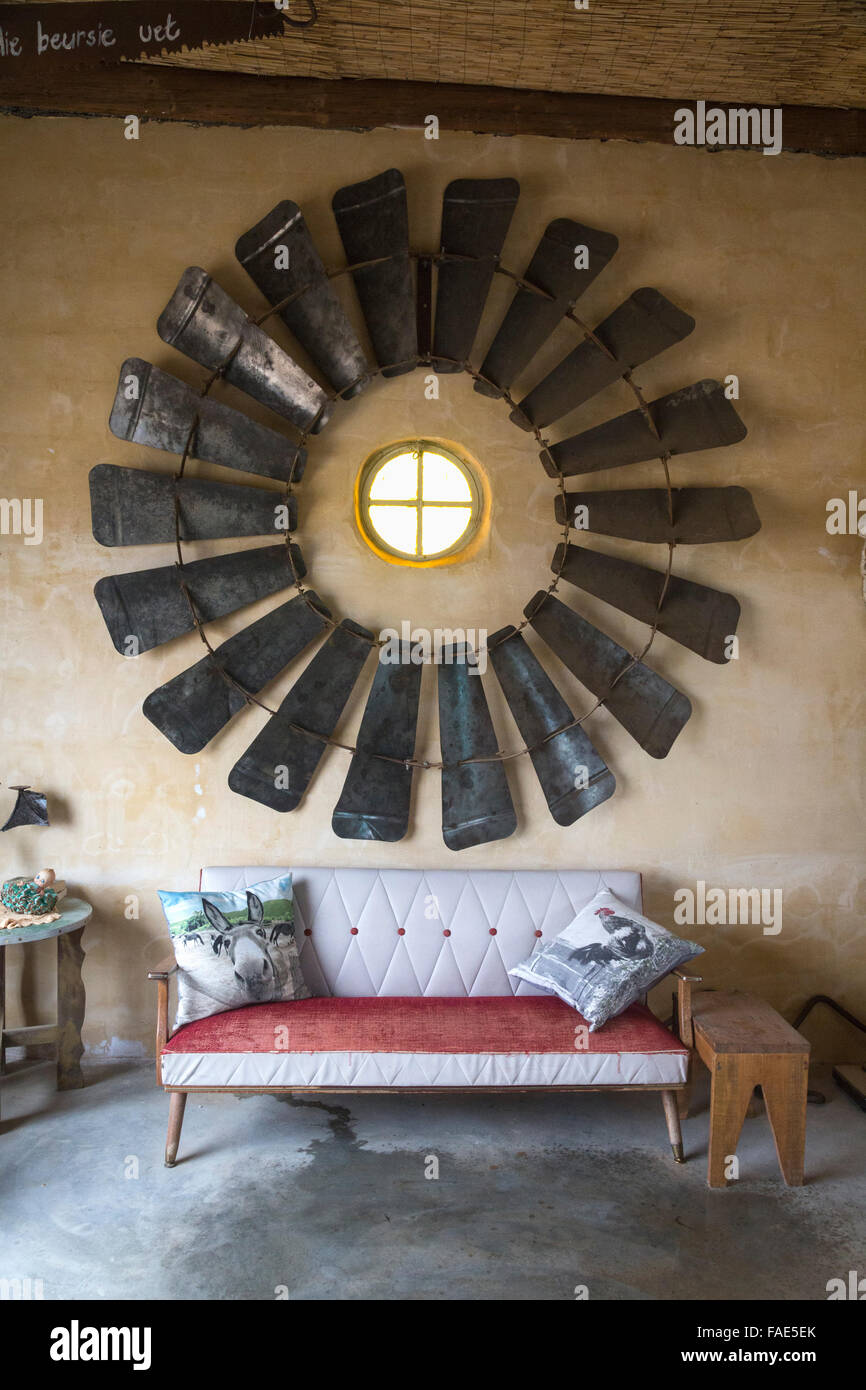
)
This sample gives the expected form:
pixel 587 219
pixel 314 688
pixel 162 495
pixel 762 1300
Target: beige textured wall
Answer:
pixel 763 788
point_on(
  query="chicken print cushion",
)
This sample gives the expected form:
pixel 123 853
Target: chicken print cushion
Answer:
pixel 234 949
pixel 605 959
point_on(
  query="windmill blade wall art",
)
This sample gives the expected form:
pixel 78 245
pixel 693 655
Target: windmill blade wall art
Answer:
pixel 279 256
pixel 684 422
pixel 153 408
pixel 374 226
pixel 573 777
pixel 476 214
pixel 420 307
pixel 282 760
pixel 645 704
pixel 374 802
pixel 206 324
pixel 566 261
pixel 701 515
pixel 639 329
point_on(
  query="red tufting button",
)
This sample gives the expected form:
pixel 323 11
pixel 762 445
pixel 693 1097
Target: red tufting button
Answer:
pixel 401 931
pixel 308 931
pixel 446 932
pixel 354 931
pixel 492 931
pixel 538 933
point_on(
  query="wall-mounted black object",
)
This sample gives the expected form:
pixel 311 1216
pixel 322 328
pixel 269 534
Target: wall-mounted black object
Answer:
pixel 421 309
pixel 30 808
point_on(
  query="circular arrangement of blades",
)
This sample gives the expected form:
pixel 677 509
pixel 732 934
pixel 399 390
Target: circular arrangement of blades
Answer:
pixel 394 285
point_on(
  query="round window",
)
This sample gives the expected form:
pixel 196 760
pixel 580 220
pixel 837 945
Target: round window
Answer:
pixel 418 502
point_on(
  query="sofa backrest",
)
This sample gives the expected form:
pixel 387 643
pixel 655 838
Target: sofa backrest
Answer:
pixel 439 932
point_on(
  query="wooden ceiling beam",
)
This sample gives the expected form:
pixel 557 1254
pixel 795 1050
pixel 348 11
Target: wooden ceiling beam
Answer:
pixel 217 98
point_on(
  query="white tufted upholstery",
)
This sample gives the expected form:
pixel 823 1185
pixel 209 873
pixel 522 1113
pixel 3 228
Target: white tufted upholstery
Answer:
pixel 471 903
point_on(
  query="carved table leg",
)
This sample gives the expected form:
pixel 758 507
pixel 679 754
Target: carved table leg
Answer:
pixel 70 1010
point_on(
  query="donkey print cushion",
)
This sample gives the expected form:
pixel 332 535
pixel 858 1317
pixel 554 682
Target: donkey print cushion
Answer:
pixel 605 959
pixel 234 949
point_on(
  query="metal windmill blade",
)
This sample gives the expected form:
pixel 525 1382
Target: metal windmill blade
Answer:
pixel 132 506
pixel 145 608
pixel 193 706
pixel 640 328
pixel 476 801
pixel 373 221
pixel 280 763
pixel 153 408
pixel 701 515
pixel 694 615
pixel 694 418
pixel 648 707
pixel 279 256
pixel 374 802
pixel 476 214
pixel 573 777
pixel 206 324
pixel 564 265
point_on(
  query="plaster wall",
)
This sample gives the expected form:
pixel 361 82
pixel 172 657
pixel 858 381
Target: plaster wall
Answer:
pixel 763 788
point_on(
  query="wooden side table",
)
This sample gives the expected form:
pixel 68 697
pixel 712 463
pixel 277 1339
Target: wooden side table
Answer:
pixel 65 1034
pixel 745 1043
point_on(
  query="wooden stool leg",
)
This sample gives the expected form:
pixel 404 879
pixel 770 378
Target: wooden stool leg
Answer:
pixel 176 1107
pixel 672 1115
pixel 785 1086
pixel 70 1010
pixel 732 1086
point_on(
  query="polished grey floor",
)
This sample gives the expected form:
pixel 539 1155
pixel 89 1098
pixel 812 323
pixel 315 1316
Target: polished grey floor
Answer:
pixel 328 1198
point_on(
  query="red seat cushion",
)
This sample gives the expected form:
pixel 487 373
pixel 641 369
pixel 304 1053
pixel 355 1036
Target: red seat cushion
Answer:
pixel 526 1023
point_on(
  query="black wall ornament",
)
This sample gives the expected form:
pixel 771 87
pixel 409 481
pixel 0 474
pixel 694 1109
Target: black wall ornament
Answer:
pixel 411 327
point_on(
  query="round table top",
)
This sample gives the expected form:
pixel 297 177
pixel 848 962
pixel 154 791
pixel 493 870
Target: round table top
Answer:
pixel 74 913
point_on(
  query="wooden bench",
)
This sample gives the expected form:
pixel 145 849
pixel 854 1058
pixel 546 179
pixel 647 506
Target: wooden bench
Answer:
pixel 745 1043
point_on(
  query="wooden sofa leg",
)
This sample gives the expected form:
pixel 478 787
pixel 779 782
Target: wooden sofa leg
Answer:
pixel 176 1108
pixel 672 1115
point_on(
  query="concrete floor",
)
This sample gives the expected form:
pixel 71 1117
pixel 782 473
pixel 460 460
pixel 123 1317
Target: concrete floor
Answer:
pixel 327 1197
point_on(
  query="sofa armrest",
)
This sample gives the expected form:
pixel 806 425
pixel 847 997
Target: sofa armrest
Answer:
pixel 162 973
pixel 685 1028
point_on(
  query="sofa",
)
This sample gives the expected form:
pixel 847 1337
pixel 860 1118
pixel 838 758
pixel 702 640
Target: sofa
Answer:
pixel 410 992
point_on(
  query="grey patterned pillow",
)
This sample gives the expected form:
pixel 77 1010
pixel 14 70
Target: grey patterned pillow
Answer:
pixel 605 959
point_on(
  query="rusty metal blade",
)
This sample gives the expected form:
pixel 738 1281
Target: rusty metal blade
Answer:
pixel 701 515
pixel 694 615
pixel 476 802
pixel 643 326
pixel 531 318
pixel 374 802
pixel 573 777
pixel 145 608
pixel 153 408
pixel 206 324
pixel 132 506
pixel 280 763
pixel 694 418
pixel 373 221
pixel 476 214
pixel 650 709
pixel 279 256
pixel 191 708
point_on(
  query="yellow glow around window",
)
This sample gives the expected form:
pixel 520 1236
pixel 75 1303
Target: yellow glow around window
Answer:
pixel 397 526
pixel 418 502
